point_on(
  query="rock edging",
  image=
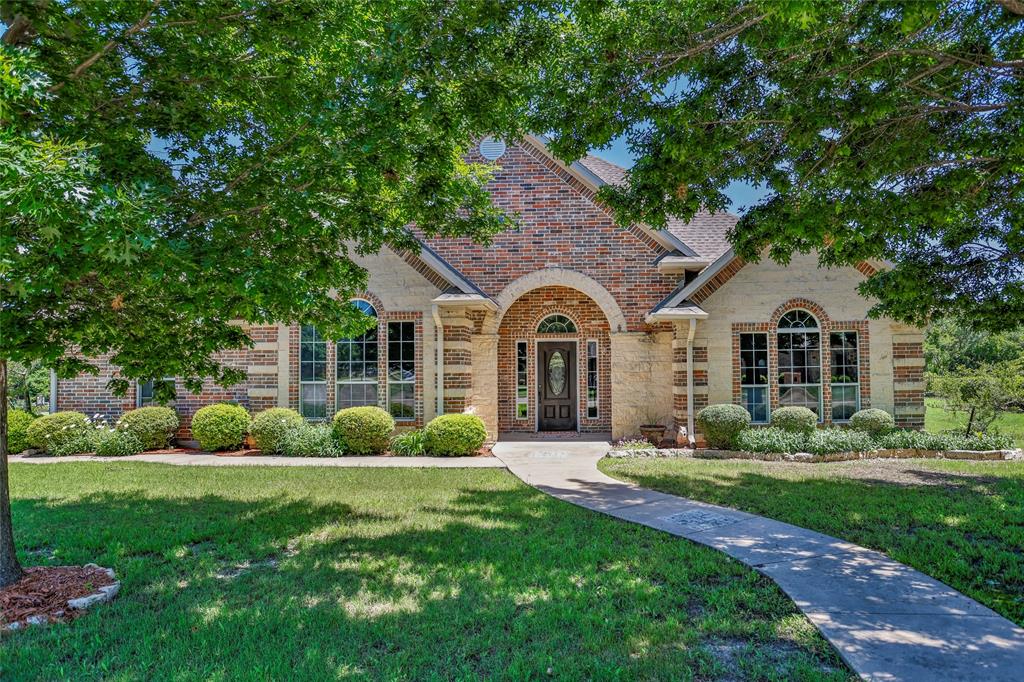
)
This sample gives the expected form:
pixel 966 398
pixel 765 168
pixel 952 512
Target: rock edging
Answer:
pixel 902 453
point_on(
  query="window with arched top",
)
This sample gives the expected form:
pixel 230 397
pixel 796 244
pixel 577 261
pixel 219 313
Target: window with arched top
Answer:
pixel 799 369
pixel 556 324
pixel 356 364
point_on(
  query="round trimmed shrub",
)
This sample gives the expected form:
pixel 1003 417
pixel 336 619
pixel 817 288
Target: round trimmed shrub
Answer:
pixel 221 426
pixel 54 432
pixel 119 444
pixel 794 419
pixel 152 426
pixel 269 425
pixel 363 430
pixel 722 423
pixel 454 434
pixel 872 421
pixel 18 422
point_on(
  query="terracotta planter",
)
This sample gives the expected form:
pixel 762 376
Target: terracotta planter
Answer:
pixel 654 433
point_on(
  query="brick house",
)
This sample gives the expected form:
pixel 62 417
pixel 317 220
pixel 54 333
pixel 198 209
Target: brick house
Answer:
pixel 569 322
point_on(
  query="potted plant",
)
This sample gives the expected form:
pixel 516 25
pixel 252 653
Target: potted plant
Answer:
pixel 653 428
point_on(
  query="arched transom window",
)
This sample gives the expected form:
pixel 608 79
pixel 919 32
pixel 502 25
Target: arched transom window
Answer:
pixel 356 363
pixel 799 345
pixel 556 324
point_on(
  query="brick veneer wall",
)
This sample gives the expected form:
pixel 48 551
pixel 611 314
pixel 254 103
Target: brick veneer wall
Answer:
pixel 560 225
pixel 88 393
pixel 908 381
pixel 520 324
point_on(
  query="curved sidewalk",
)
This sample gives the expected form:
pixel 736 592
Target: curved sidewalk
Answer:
pixel 888 621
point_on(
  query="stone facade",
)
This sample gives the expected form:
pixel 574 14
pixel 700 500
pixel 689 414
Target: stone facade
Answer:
pixel 567 256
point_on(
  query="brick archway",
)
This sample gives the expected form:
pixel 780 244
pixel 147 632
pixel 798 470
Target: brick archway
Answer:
pixel 558 277
pixel 519 326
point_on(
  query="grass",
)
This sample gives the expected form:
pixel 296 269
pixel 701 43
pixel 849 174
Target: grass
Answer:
pixel 937 419
pixel 960 522
pixel 274 573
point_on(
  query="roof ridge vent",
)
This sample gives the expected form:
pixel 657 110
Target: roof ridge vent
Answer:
pixel 491 148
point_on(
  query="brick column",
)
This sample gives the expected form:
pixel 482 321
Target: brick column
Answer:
pixel 908 379
pixel 680 330
pixel 458 359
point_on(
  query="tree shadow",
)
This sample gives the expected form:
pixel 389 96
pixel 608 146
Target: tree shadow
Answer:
pixel 964 529
pixel 494 583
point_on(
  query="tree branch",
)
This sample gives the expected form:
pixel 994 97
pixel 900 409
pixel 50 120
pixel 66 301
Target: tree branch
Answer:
pixel 110 45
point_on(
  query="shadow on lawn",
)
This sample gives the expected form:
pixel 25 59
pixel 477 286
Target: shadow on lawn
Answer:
pixel 964 529
pixel 496 583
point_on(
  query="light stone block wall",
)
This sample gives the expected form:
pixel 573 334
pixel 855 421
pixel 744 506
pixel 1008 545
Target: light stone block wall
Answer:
pixel 401 289
pixel 483 395
pixel 641 380
pixel 754 293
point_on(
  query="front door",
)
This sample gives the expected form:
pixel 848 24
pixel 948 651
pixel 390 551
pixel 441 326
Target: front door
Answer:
pixel 556 390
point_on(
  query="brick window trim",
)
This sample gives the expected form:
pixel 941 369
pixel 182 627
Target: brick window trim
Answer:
pixel 384 316
pixel 826 326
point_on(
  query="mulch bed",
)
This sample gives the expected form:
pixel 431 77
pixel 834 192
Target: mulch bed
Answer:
pixel 45 591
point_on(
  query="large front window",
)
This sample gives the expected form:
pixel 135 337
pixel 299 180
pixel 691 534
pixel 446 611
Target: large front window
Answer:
pixel 402 370
pixel 845 375
pixel 799 342
pixel 312 373
pixel 356 363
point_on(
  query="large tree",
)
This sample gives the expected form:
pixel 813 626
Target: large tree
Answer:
pixel 890 130
pixel 168 168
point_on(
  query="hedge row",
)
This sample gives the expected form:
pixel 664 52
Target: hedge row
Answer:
pixel 794 429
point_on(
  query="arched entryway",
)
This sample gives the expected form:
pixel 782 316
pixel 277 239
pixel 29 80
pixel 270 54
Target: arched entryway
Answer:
pixel 554 363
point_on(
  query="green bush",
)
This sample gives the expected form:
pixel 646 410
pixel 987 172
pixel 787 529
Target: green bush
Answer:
pixel 873 421
pixel 770 440
pixel 721 424
pixel 949 440
pixel 828 441
pixel 409 443
pixel 56 432
pixel 152 426
pixel 303 439
pixel 794 419
pixel 220 427
pixel 18 422
pixel 363 430
pixel 118 443
pixel 455 434
pixel 269 425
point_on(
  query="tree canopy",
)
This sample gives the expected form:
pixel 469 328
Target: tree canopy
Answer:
pixel 880 130
pixel 169 167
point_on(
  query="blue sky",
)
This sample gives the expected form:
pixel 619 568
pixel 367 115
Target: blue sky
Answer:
pixel 742 195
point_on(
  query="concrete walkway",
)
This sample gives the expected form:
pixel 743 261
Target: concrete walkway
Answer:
pixel 189 459
pixel 887 621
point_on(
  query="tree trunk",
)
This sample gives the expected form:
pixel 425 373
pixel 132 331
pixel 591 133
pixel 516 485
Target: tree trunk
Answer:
pixel 970 422
pixel 10 569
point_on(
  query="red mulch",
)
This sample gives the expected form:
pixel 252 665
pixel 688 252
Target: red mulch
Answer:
pixel 45 591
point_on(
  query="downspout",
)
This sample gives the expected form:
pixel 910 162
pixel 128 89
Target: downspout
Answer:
pixel 53 391
pixel 439 372
pixel 689 382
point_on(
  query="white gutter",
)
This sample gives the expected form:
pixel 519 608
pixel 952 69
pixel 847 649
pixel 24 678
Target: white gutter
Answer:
pixel 53 391
pixel 439 371
pixel 689 382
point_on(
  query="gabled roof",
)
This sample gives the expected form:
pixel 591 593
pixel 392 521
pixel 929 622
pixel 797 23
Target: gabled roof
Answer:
pixel 704 235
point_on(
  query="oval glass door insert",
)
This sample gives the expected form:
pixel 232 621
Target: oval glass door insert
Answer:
pixel 556 373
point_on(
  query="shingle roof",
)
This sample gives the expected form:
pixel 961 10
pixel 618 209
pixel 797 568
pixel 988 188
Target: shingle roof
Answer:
pixel 705 233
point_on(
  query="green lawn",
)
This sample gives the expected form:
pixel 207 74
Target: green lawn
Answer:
pixel 274 573
pixel 937 419
pixel 960 522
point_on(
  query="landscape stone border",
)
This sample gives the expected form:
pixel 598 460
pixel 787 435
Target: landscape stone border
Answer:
pixel 902 453
pixel 102 594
